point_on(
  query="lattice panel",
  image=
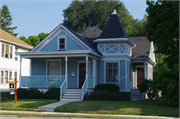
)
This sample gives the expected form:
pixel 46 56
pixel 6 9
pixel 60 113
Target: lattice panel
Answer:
pixel 114 49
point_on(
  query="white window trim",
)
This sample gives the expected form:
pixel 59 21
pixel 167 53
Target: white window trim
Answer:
pixel 58 43
pixel 118 71
pixel 8 51
pixel 2 77
pixel 4 50
pixel 82 61
pixel 15 54
pixel 49 60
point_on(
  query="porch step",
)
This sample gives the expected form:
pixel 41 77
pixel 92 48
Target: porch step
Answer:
pixel 136 94
pixel 72 94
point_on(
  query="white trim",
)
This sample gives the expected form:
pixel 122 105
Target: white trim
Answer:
pixel 65 42
pixel 49 60
pixel 82 61
pixel 113 61
pixel 16 44
pixel 55 31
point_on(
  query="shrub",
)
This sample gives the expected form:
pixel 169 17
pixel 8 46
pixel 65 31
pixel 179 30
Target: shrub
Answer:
pixel 29 94
pixel 52 93
pixel 143 86
pixel 107 87
pixel 98 95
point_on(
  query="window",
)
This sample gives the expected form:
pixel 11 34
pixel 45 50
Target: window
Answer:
pixel 53 68
pixel 6 76
pixel 2 77
pixel 16 57
pixel 61 43
pixel 2 53
pixel 10 75
pixel 7 51
pixel 11 51
pixel 15 75
pixel 112 72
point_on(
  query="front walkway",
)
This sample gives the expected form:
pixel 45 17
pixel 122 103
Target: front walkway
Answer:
pixel 51 107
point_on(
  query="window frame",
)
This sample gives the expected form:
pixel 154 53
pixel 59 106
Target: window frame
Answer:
pixel 118 64
pixel 16 74
pixel 2 77
pixel 10 53
pixel 2 51
pixel 7 52
pixel 5 76
pixel 51 60
pixel 58 44
pixel 16 56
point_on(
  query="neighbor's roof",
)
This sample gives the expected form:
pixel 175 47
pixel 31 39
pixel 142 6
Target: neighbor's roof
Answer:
pixel 14 40
pixel 113 28
pixel 92 32
pixel 142 48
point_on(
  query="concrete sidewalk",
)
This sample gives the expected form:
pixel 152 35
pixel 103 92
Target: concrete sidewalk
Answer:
pixel 51 107
pixel 113 115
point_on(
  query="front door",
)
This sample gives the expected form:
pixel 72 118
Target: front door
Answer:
pixel 82 74
pixel 140 75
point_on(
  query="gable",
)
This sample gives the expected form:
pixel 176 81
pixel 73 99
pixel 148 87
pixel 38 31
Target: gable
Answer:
pixel 70 43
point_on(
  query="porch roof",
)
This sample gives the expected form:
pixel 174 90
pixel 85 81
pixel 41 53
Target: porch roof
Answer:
pixel 57 54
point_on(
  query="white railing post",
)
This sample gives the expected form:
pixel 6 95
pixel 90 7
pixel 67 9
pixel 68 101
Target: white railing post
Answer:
pixel 20 72
pixel 144 70
pixel 66 60
pixel 87 69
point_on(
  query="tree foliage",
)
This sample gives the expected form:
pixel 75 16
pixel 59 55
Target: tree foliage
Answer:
pixel 81 15
pixel 6 20
pixel 163 29
pixel 34 40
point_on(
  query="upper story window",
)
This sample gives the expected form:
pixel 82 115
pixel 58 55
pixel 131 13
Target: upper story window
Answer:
pixel 7 51
pixel 112 72
pixel 2 52
pixel 61 43
pixel 16 57
pixel 11 52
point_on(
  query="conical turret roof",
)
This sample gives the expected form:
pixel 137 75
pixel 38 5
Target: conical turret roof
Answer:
pixel 114 28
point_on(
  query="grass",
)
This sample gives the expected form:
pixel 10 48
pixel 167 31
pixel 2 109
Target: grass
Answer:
pixel 158 107
pixel 72 116
pixel 25 104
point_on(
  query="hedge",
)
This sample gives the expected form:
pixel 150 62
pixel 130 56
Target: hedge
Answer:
pixel 107 88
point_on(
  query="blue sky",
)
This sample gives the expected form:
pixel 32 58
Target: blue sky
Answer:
pixel 35 16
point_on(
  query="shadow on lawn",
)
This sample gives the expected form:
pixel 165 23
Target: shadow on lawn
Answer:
pixel 159 107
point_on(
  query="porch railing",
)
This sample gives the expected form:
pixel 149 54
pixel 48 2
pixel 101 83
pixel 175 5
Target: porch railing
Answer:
pixel 41 81
pixel 84 88
pixel 63 88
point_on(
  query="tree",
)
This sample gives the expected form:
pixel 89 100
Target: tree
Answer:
pixel 34 40
pixel 42 35
pixel 25 40
pixel 81 15
pixel 6 20
pixel 163 29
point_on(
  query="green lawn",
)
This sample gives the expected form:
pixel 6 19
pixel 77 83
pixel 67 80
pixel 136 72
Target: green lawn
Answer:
pixel 25 104
pixel 158 107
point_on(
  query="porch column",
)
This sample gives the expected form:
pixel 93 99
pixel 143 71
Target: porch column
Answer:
pixel 20 73
pixel 94 76
pixel 87 68
pixel 144 70
pixel 66 60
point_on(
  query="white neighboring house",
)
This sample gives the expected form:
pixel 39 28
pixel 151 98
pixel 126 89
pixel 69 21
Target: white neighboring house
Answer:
pixel 9 61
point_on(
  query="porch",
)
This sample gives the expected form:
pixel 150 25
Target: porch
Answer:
pixel 71 71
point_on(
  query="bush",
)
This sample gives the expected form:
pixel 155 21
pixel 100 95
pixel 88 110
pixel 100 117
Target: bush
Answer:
pixel 52 93
pixel 143 86
pixel 107 88
pixel 98 95
pixel 29 94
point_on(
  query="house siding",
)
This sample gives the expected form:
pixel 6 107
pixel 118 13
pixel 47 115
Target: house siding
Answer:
pixel 122 75
pixel 128 76
pixel 70 44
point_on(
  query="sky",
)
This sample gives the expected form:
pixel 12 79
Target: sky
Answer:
pixel 35 16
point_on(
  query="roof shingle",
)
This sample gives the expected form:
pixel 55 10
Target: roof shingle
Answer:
pixel 7 36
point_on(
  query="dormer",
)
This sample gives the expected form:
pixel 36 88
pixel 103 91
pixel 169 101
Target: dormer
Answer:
pixel 114 39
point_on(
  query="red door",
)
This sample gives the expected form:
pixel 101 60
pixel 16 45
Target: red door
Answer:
pixel 82 74
pixel 140 75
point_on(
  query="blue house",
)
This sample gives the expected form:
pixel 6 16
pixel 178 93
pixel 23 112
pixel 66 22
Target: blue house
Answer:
pixel 77 62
